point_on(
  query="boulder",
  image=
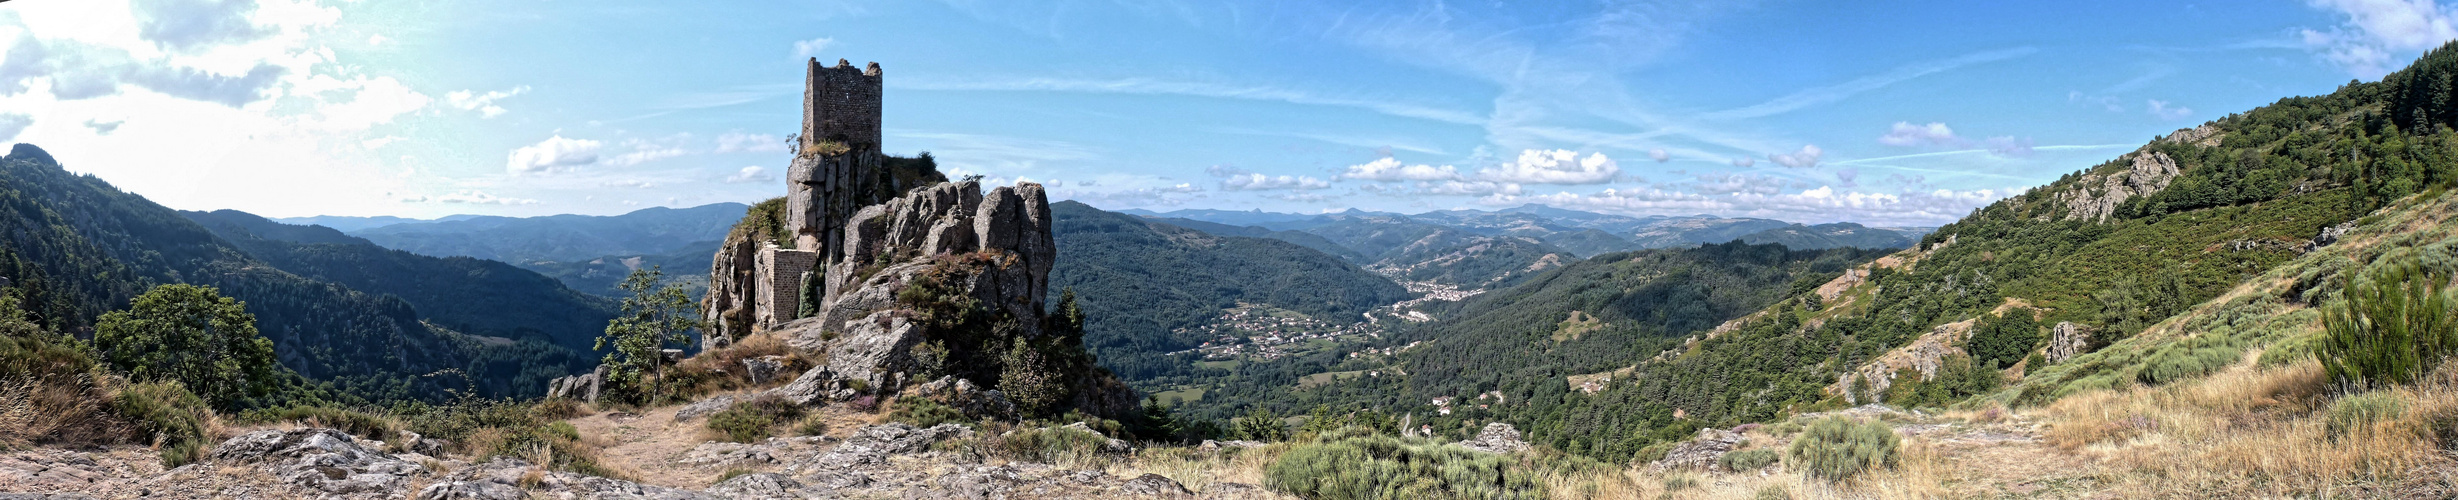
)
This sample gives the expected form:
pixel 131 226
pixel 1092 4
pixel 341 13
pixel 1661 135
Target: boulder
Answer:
pixel 1699 453
pixel 1154 485
pixel 874 444
pixel 763 369
pixel 974 401
pixel 704 407
pixel 760 486
pixel 320 459
pixel 1497 437
pixel 582 387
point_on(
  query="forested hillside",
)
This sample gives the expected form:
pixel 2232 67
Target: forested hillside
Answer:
pixel 1140 283
pixel 561 238
pixel 2113 249
pixel 473 296
pixel 78 247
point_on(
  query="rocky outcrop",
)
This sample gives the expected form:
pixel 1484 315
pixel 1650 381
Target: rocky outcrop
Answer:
pixel 2096 197
pixel 994 251
pixel 321 460
pixel 727 309
pixel 873 445
pixel 2066 341
pixel 762 369
pixel 1924 356
pixel 1701 452
pixel 582 387
pixel 963 396
pixel 1497 437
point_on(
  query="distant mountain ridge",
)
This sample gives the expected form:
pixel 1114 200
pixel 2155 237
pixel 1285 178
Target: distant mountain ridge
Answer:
pixel 564 238
pixel 1582 233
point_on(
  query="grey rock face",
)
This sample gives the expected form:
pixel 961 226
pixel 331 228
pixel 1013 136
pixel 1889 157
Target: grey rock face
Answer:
pixel 1155 485
pixel 2066 341
pixel 582 387
pixel 2096 197
pixel 872 445
pixel 763 369
pixel 1700 453
pixel 471 490
pixel 704 407
pixel 971 399
pixel 322 459
pixel 1497 437
pixel 757 486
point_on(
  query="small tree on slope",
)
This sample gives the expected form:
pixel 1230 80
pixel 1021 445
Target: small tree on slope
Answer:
pixel 655 313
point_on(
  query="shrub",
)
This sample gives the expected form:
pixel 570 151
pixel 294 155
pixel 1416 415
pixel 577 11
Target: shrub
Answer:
pixel 2003 340
pixel 175 420
pixel 485 428
pixel 926 412
pixel 1680 482
pixel 1748 460
pixel 813 425
pixel 1047 444
pixel 193 335
pixel 1838 448
pixel 2363 410
pixel 750 420
pixel 1259 425
pixel 2393 326
pixel 1773 492
pixel 357 423
pixel 1346 466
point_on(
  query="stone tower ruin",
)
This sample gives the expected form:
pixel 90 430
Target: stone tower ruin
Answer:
pixel 838 168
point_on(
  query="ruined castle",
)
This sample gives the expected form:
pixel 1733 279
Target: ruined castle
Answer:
pixel 837 169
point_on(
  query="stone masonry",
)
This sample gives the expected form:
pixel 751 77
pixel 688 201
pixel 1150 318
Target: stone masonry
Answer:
pixel 780 274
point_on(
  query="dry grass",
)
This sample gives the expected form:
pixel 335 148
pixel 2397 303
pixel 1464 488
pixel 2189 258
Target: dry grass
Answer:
pixel 1198 471
pixel 38 412
pixel 2246 432
pixel 722 369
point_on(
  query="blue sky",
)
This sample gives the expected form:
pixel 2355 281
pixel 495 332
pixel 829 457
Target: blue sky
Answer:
pixel 1905 113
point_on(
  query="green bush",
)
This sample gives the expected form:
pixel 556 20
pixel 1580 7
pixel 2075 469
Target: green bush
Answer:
pixel 1348 466
pixel 1259 424
pixel 2393 326
pixel 194 335
pixel 1773 492
pixel 357 423
pixel 813 425
pixel 1047 444
pixel 2003 340
pixel 485 428
pixel 2363 410
pixel 750 420
pixel 925 412
pixel 175 419
pixel 1748 460
pixel 1838 448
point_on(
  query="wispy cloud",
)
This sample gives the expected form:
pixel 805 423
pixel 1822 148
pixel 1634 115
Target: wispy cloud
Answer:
pixel 1837 92
pixel 1154 86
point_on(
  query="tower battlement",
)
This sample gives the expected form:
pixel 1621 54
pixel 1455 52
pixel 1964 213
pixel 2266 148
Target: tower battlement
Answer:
pixel 841 103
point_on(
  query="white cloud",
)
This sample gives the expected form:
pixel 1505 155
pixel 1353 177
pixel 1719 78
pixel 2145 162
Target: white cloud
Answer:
pixel 751 174
pixel 1722 183
pixel 2376 36
pixel 100 127
pixel 1820 204
pixel 2008 146
pixel 1805 158
pixel 191 25
pixel 1258 182
pixel 12 124
pixel 474 197
pixel 1907 134
pixel 1468 188
pixel 738 142
pixel 484 104
pixel 77 70
pixel 555 154
pixel 1388 169
pixel 2165 111
pixel 1745 162
pixel 1559 166
pixel 812 47
pixel 647 151
pixel 1659 155
pixel 628 183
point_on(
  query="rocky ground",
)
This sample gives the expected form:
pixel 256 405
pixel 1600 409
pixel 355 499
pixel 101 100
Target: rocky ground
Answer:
pixel 657 456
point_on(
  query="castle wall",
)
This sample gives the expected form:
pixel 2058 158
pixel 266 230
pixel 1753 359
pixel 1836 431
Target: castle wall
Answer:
pixel 842 103
pixel 780 284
